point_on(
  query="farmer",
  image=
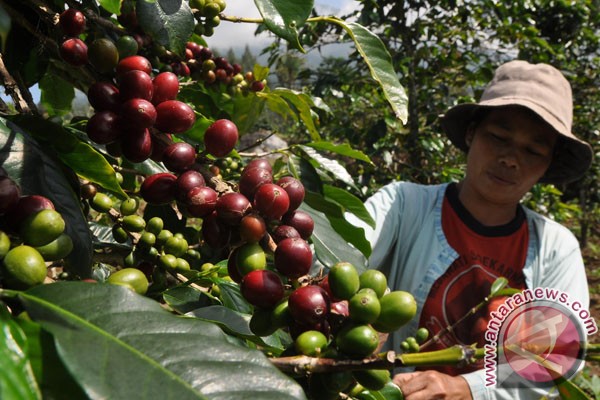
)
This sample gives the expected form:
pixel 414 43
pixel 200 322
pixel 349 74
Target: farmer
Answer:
pixel 447 243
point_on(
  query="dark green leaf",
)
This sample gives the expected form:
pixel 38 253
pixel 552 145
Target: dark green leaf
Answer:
pixel 341 149
pixel 246 111
pixel 82 158
pixel 5 23
pixel 184 299
pixel 330 165
pixel 16 380
pixel 304 171
pixel 232 297
pixel 284 17
pixel 335 214
pixel 330 247
pixel 103 237
pixel 104 332
pixel 56 95
pixel 377 57
pixel 37 172
pixel 349 203
pixel 54 380
pixel 169 22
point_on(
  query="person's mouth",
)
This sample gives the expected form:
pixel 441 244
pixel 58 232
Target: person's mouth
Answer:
pixel 501 179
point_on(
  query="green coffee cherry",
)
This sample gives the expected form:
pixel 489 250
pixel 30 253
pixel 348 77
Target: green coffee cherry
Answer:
pixel 101 202
pixel 4 244
pixel 176 246
pixel 129 206
pixel 134 223
pixel 119 234
pixel 155 225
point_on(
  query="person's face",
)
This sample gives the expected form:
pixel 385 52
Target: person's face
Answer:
pixel 509 151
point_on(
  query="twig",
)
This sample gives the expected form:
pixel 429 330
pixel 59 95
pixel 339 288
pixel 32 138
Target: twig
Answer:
pixel 26 93
pixel 241 19
pixel 12 89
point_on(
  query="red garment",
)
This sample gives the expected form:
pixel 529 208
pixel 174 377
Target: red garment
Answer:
pixel 485 253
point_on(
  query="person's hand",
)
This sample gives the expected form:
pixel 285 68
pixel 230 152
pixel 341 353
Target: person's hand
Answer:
pixel 429 385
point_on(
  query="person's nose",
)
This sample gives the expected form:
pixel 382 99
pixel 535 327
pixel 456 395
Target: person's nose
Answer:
pixel 509 157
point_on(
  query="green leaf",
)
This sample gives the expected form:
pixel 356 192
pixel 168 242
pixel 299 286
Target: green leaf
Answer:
pixel 335 214
pixel 184 299
pixel 379 61
pixel 330 165
pixel 299 104
pixel 5 23
pixel 341 149
pixel 499 284
pixel 349 203
pixel 54 380
pixel 112 6
pixel 56 95
pixel 16 380
pixel 37 171
pixel 105 332
pixel 82 158
pixel 232 297
pixel 569 390
pixel 169 22
pixel 330 247
pixel 284 17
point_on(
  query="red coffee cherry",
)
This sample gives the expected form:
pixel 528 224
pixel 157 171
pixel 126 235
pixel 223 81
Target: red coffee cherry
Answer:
pixel 174 116
pixel 138 113
pixel 104 127
pixel 104 96
pixel 301 221
pixel 74 51
pixel 271 201
pixel 133 63
pixel 201 201
pixel 284 232
pixel 159 188
pixel 9 193
pixel 166 87
pixel 262 288
pixel 214 233
pixel 253 178
pixel 187 181
pixel 294 189
pixel 252 228
pixel 136 144
pixel 259 163
pixel 231 207
pixel 309 305
pixel 135 85
pixel 220 138
pixel 293 257
pixel 72 22
pixel 179 156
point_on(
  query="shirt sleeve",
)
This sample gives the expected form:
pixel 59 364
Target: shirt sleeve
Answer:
pixel 385 207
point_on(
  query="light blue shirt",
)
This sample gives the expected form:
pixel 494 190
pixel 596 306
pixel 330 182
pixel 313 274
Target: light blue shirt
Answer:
pixel 410 247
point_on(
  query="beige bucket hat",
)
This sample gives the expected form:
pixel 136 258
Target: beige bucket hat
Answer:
pixel 544 90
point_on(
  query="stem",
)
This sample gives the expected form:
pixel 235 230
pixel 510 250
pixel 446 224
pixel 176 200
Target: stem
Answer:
pixel 231 18
pixel 13 90
pixel 456 355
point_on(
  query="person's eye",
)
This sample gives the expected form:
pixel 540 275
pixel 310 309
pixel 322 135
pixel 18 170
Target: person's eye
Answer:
pixel 535 152
pixel 497 137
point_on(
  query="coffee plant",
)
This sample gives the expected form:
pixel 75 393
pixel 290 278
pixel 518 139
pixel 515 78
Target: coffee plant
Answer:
pixel 145 253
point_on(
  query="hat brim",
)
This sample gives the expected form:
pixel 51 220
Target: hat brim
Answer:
pixel 571 160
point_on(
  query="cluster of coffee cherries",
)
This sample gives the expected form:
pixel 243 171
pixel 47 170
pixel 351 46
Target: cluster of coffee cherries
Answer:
pixel 207 13
pixel 33 233
pixel 204 66
pixel 340 315
pixel 137 112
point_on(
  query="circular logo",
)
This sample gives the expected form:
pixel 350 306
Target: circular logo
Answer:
pixel 542 341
